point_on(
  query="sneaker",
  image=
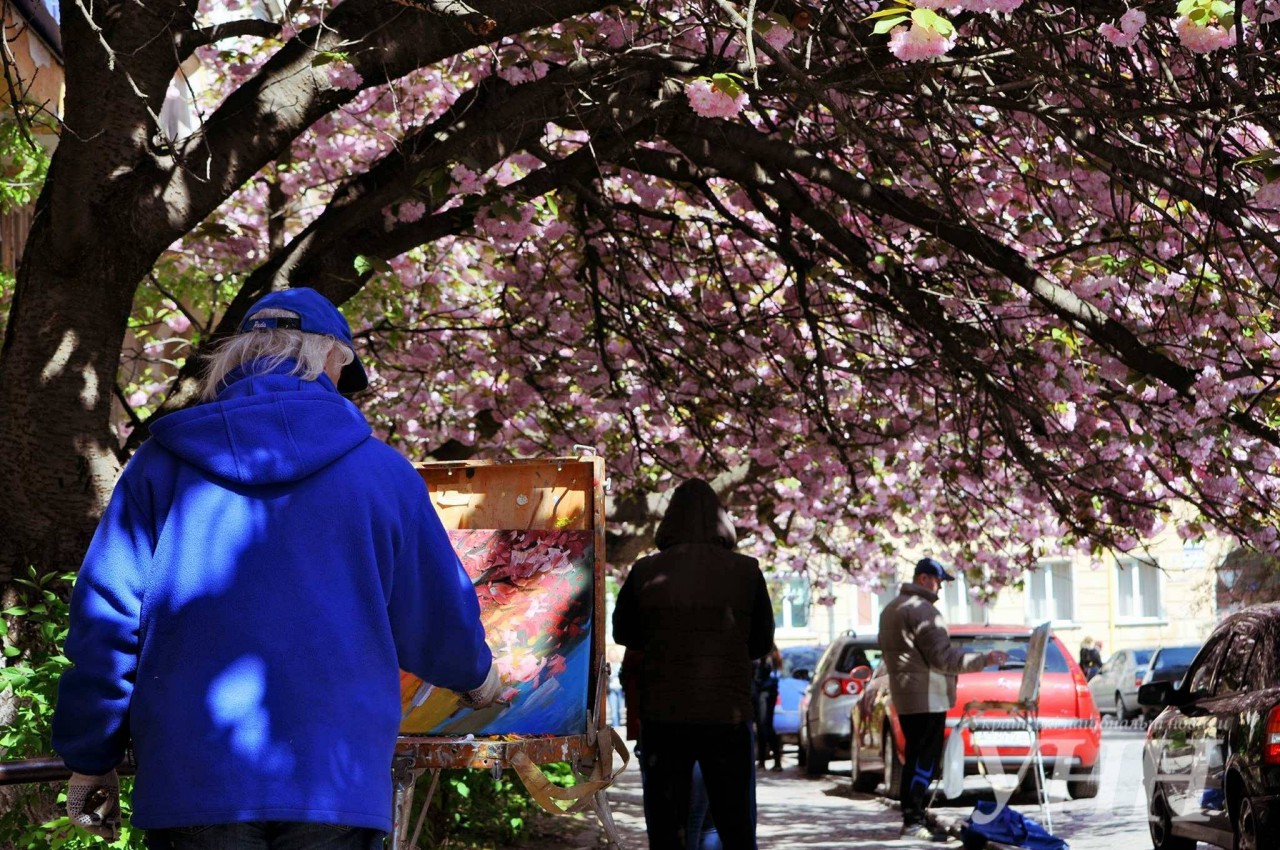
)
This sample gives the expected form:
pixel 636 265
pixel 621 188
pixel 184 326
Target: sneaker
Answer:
pixel 923 832
pixel 776 768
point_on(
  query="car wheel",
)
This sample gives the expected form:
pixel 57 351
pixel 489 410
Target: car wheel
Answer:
pixel 1246 826
pixel 816 759
pixel 892 767
pixel 1161 825
pixel 802 745
pixel 862 781
pixel 1122 710
pixel 1087 788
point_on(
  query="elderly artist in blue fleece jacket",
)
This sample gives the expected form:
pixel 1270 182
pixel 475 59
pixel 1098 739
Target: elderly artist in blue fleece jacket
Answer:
pixel 263 571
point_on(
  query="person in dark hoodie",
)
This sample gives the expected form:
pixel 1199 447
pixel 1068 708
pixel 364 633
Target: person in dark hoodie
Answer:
pixel 264 569
pixel 700 614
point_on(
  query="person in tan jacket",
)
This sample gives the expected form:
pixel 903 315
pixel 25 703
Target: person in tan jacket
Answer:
pixel 923 665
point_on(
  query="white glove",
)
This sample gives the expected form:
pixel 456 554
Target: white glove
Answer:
pixel 93 803
pixel 486 694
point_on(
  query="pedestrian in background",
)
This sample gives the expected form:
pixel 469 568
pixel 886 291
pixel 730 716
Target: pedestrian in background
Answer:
pixel 699 613
pixel 264 570
pixel 1090 658
pixel 765 688
pixel 923 664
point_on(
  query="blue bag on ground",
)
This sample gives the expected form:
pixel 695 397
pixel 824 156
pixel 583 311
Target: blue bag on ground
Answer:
pixel 1006 826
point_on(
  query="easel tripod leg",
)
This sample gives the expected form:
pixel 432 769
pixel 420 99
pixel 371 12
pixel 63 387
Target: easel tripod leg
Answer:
pixel 600 800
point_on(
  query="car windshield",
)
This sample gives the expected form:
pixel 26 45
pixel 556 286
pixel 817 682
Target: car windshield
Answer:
pixel 854 655
pixel 1175 656
pixel 1142 657
pixel 1016 647
pixel 800 658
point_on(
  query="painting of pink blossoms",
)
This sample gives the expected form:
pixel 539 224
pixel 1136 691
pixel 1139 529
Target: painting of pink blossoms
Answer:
pixel 536 593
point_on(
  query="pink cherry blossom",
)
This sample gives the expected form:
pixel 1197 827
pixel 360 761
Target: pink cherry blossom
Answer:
pixel 917 43
pixel 343 75
pixel 711 102
pixel 1202 39
pixel 1268 195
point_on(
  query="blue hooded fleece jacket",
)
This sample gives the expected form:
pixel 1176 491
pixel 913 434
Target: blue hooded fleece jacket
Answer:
pixel 263 571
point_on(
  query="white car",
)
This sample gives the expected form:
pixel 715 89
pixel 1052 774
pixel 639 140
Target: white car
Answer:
pixel 824 708
pixel 1115 685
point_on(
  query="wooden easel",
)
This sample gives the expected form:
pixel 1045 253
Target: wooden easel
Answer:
pixel 563 493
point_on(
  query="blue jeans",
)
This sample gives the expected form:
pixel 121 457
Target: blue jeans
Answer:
pixel 266 835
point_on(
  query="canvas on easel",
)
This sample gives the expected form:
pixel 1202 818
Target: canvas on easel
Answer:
pixel 529 534
pixel 535 592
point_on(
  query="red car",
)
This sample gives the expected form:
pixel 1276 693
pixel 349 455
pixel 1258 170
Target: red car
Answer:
pixel 1070 727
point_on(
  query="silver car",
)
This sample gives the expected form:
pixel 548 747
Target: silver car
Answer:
pixel 1115 685
pixel 824 708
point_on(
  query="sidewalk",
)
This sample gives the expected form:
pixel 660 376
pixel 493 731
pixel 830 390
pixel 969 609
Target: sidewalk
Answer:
pixel 795 811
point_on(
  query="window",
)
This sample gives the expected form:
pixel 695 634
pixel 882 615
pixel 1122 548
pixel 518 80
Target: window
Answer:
pixel 1236 667
pixel 855 655
pixel 1202 674
pixel 1049 593
pixel 791 604
pixel 1016 648
pixel 1138 589
pixel 956 604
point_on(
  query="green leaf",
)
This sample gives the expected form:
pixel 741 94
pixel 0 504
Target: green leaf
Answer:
pixel 325 57
pixel 370 265
pixel 727 84
pixel 12 652
pixel 930 19
pixel 885 13
pixel 888 23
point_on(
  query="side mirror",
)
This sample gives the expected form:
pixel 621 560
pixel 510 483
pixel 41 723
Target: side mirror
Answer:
pixel 860 674
pixel 802 674
pixel 1160 693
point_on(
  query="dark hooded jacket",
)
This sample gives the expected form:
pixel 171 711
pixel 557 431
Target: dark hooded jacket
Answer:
pixel 700 614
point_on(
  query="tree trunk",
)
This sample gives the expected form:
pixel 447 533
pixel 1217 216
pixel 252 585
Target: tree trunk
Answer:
pixel 57 375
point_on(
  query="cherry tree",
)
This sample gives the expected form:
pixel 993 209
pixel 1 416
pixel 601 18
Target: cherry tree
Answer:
pixel 993 274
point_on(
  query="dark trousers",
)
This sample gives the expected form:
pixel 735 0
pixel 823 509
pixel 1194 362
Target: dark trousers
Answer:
pixel 723 752
pixel 766 739
pixel 265 835
pixel 923 733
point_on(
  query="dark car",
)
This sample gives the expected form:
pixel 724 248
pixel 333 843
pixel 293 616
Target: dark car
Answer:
pixel 1167 664
pixel 1070 733
pixel 1211 763
pixel 824 709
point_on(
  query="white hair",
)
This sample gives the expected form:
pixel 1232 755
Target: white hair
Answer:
pixel 265 349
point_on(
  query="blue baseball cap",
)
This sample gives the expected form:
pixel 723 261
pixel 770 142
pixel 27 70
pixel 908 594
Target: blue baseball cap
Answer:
pixel 316 315
pixel 931 567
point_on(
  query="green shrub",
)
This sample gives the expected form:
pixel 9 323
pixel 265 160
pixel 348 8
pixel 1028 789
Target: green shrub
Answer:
pixel 473 809
pixel 34 662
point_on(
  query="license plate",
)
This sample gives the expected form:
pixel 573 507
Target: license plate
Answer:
pixel 1001 738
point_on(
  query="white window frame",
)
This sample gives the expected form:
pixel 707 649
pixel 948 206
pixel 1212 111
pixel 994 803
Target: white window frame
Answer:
pixel 784 587
pixel 956 604
pixel 1045 569
pixel 1128 573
